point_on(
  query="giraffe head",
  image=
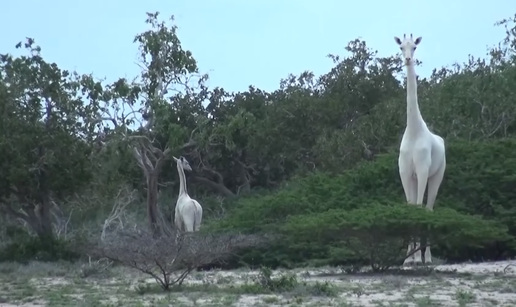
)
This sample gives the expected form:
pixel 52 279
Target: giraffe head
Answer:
pixel 407 46
pixel 183 163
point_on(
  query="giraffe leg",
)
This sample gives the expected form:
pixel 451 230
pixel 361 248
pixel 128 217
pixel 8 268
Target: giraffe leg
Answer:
pixel 410 187
pixel 422 180
pixel 434 183
pixel 428 253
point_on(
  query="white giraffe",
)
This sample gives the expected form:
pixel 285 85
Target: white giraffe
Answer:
pixel 422 156
pixel 188 213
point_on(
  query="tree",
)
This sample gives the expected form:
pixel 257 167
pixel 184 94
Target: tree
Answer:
pixel 166 68
pixel 45 139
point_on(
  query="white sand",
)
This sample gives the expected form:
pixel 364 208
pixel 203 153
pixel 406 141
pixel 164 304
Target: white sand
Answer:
pixel 484 284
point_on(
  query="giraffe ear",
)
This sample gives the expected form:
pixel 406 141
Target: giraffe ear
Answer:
pixel 397 40
pixel 418 40
pixel 175 159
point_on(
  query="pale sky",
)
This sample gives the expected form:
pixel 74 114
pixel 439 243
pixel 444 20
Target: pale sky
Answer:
pixel 251 42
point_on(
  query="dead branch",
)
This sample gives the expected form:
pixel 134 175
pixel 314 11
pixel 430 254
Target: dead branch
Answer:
pixel 220 212
pixel 7 209
pixel 216 187
pixel 60 223
pixel 213 173
pixel 143 161
pixel 122 200
pixel 506 269
pixel 191 142
pixel 167 259
pixel 211 179
pixel 95 267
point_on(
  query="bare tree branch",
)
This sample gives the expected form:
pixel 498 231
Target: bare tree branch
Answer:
pixel 122 200
pixel 216 187
pixel 169 259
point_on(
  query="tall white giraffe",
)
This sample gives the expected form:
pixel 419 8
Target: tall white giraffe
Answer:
pixel 188 212
pixel 422 158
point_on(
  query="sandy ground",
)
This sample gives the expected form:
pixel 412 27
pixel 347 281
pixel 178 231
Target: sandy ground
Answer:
pixel 65 284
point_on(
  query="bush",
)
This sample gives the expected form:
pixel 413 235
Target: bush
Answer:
pixel 379 234
pixel 168 259
pixel 287 282
pixel 479 180
pixel 24 247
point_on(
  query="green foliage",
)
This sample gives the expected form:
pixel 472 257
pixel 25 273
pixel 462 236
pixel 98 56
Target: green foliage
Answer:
pixel 380 233
pixel 32 140
pixel 478 183
pixel 319 192
pixel 281 284
pixel 24 247
pixel 287 282
pixel 45 136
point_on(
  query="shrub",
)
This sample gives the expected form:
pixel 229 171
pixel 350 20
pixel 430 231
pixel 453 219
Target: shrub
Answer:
pixel 479 180
pixel 168 259
pixel 379 234
pixel 23 247
pixel 287 282
pixel 283 283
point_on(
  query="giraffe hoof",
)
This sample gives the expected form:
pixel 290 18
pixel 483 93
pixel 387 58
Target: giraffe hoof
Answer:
pixel 408 262
pixel 412 263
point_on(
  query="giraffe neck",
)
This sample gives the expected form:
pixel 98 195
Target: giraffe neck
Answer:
pixel 182 180
pixel 414 119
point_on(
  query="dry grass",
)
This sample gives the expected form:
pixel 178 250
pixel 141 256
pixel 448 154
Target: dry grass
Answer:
pixel 65 284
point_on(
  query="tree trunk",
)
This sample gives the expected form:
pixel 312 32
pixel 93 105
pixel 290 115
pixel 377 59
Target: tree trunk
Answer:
pixel 46 216
pixel 42 209
pixel 245 187
pixel 45 220
pixel 39 220
pixel 152 203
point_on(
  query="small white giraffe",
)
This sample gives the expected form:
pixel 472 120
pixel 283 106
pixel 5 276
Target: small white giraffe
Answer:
pixel 188 213
pixel 422 158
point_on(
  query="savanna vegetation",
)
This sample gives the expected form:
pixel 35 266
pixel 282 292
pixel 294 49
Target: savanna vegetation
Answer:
pixel 303 175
